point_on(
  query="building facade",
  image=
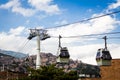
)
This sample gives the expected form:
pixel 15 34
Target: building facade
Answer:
pixel 108 72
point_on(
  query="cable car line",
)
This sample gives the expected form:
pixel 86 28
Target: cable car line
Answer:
pixel 115 12
pixel 113 37
pixel 63 51
pixel 24 45
pixel 89 36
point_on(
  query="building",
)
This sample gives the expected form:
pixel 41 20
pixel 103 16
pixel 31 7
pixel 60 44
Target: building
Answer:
pixel 108 72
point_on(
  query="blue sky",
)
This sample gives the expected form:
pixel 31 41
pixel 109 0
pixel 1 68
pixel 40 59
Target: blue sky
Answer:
pixel 70 11
pixel 18 16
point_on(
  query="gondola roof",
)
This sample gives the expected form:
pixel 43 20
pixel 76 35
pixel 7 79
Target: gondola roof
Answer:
pixel 64 53
pixel 103 54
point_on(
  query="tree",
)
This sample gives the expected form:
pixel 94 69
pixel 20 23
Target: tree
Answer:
pixel 51 73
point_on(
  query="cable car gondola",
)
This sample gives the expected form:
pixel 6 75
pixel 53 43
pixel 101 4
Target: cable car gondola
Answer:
pixel 103 56
pixel 63 54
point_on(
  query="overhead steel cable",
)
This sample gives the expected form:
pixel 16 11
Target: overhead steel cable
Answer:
pixel 103 34
pixel 115 12
pixel 113 37
pixel 90 35
pixel 23 45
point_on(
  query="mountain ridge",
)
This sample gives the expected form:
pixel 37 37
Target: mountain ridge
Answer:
pixel 13 53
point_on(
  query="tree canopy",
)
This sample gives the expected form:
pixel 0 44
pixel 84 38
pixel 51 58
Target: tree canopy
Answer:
pixel 51 73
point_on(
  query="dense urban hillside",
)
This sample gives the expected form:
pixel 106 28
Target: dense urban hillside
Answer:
pixel 8 62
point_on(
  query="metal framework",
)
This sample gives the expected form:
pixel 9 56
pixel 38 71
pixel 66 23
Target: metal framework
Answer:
pixel 41 34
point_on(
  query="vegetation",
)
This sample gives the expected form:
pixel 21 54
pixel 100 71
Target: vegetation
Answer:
pixel 51 73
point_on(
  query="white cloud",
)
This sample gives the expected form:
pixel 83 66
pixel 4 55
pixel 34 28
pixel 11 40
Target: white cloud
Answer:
pixel 15 6
pixel 114 5
pixel 97 26
pixel 85 52
pixel 37 6
pixel 115 49
pixel 17 41
pixel 10 4
pixel 45 5
pixel 104 24
pixel 23 11
pixel 89 60
pixel 9 42
pixel 61 22
pixel 17 31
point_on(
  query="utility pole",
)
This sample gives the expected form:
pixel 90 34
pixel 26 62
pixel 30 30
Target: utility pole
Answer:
pixel 41 35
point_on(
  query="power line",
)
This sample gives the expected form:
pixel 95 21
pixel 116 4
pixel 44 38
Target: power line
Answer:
pixel 86 19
